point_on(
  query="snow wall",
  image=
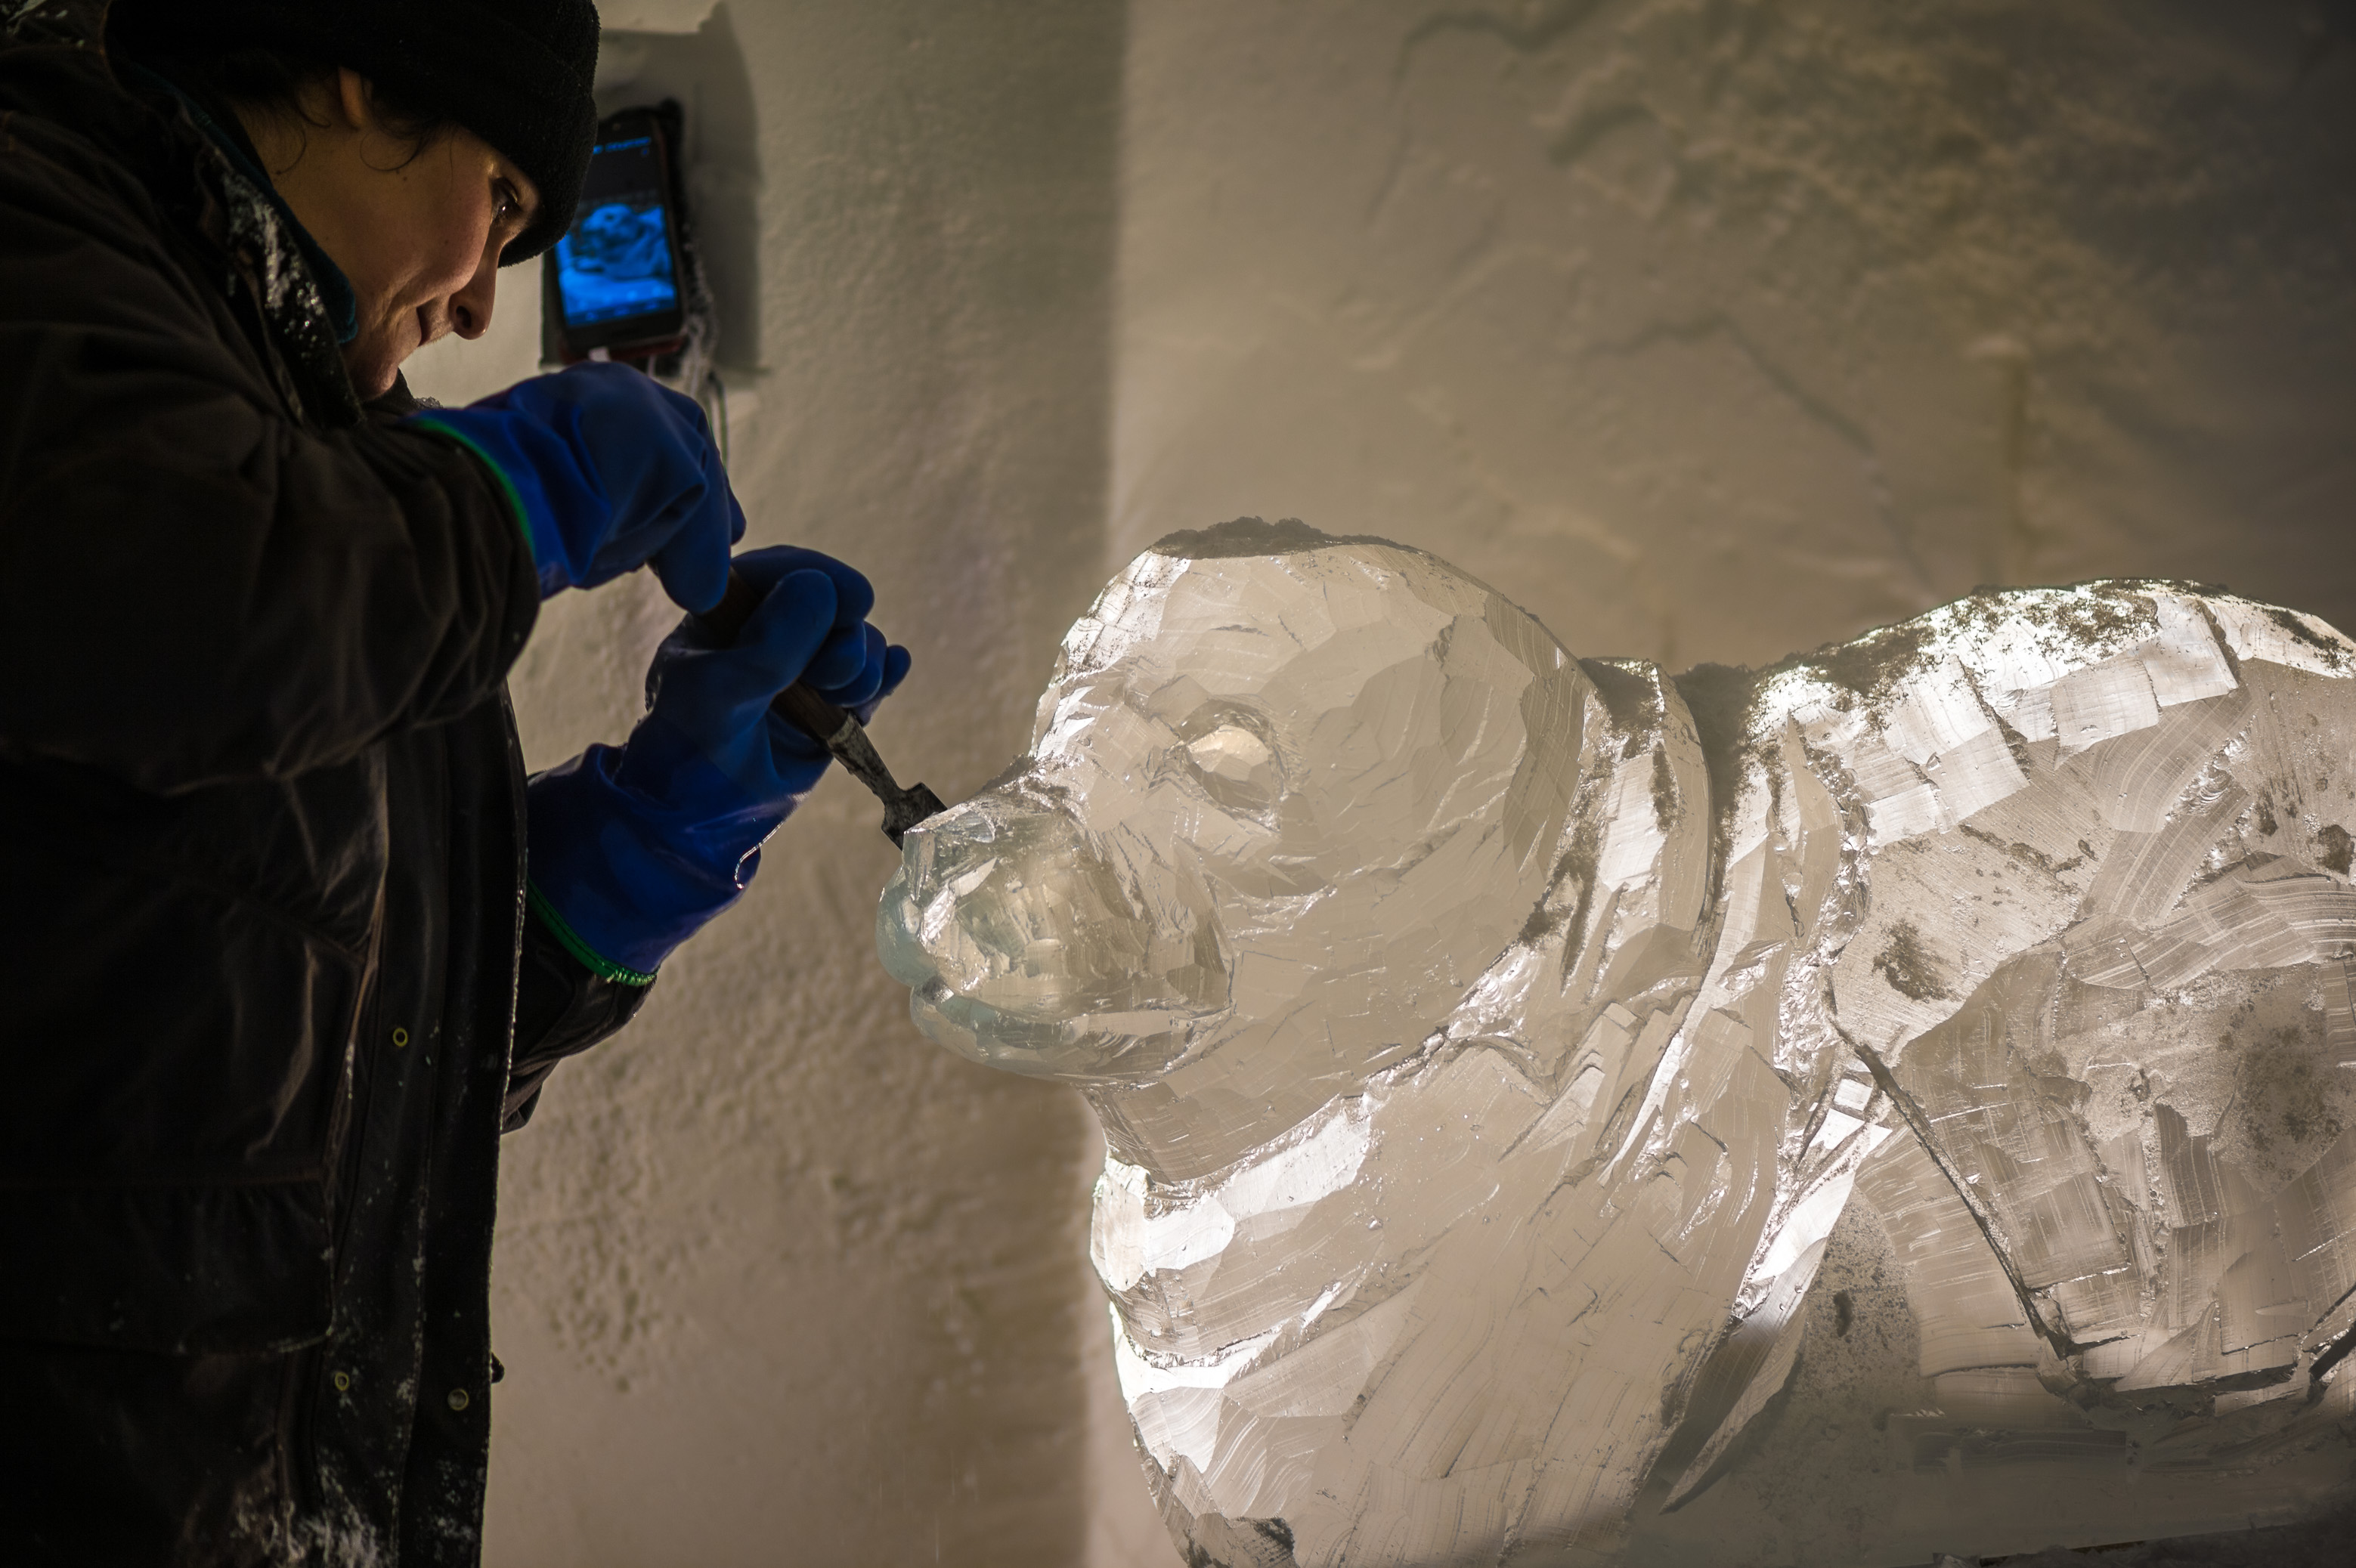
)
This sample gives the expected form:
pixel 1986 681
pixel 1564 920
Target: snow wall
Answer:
pixel 1707 330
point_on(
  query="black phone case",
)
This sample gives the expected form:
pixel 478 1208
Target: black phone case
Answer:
pixel 636 337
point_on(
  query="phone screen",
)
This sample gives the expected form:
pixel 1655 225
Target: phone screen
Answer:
pixel 615 264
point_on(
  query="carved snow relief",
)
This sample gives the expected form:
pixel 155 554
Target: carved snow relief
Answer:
pixel 1488 1042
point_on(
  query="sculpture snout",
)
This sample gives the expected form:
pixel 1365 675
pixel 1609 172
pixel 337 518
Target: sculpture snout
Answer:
pixel 1008 907
pixel 1027 947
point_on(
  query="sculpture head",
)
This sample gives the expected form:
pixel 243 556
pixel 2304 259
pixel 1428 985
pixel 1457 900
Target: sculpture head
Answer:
pixel 1288 796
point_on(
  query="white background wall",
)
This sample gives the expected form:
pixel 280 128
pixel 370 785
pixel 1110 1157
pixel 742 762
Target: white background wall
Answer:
pixel 1708 329
pixel 1716 329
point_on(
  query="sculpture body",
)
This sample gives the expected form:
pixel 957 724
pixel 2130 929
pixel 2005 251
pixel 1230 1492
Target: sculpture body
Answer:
pixel 1488 1044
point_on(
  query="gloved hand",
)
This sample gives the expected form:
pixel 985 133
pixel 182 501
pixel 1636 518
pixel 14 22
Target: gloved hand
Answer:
pixel 635 848
pixel 611 470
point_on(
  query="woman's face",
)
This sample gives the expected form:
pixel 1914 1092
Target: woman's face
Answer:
pixel 417 230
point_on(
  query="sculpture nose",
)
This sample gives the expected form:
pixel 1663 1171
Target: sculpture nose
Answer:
pixel 1003 903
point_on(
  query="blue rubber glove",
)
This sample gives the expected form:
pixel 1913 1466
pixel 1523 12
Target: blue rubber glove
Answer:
pixel 634 847
pixel 611 471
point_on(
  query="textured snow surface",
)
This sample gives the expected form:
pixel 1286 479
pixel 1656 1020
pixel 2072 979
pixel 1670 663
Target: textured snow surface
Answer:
pixel 1715 330
pixel 1489 1045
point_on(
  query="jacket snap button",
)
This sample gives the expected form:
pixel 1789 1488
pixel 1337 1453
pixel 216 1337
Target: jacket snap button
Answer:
pixel 400 1038
pixel 458 1399
pixel 343 1383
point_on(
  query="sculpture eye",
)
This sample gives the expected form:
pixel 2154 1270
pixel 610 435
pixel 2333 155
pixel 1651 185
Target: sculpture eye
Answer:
pixel 1235 755
pixel 1237 767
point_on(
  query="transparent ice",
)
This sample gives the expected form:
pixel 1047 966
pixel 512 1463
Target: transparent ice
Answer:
pixel 1488 1044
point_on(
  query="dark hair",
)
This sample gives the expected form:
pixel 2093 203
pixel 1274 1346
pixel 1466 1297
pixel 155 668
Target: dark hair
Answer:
pixel 274 83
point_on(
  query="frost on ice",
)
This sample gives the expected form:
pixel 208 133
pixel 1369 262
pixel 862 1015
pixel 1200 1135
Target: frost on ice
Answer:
pixel 1489 1042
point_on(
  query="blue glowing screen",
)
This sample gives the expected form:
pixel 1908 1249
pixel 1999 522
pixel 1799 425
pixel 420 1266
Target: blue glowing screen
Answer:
pixel 616 261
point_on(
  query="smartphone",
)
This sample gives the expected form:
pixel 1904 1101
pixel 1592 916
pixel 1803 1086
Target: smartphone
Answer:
pixel 616 271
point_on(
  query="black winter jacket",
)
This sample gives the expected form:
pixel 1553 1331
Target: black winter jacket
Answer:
pixel 270 992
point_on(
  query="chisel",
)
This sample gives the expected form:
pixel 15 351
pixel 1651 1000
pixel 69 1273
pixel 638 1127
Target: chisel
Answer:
pixel 839 731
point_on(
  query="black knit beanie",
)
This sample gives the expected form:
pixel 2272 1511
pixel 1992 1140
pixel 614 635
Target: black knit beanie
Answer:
pixel 515 72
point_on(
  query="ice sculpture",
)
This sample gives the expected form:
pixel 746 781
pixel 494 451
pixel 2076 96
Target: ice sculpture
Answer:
pixel 1487 1042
